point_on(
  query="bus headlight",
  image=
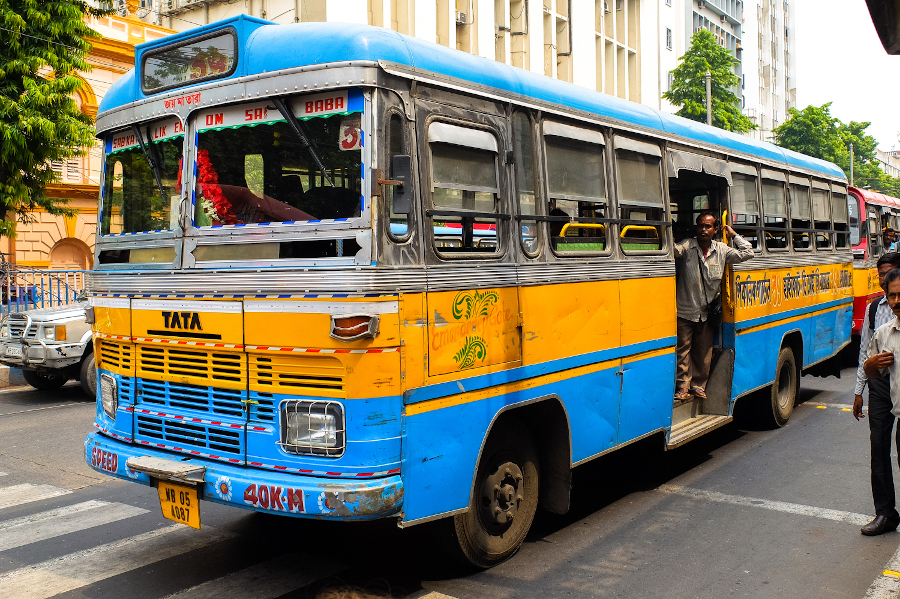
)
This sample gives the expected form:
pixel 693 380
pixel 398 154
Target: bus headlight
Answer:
pixel 313 427
pixel 109 395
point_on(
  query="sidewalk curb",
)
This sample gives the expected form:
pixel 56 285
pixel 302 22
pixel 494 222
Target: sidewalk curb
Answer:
pixel 11 377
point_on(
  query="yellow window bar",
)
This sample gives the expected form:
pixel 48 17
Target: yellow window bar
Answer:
pixel 566 226
pixel 627 228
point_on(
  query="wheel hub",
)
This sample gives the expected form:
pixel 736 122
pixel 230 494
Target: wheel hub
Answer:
pixel 501 494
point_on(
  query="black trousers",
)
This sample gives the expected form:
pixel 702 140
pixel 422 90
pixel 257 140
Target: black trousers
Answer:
pixel 881 425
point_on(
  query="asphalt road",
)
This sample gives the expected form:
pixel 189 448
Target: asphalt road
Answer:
pixel 743 512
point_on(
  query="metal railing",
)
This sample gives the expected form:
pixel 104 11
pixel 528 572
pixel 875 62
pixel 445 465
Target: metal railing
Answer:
pixel 22 290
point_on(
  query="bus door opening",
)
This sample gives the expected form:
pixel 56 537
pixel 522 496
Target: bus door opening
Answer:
pixel 691 193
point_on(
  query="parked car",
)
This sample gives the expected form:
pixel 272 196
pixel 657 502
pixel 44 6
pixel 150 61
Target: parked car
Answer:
pixel 51 346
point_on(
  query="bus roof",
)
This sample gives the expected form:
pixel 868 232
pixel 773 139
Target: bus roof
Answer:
pixel 265 47
pixel 874 197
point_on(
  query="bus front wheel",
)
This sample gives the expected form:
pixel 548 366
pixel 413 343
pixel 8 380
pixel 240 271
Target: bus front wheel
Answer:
pixel 784 387
pixel 504 498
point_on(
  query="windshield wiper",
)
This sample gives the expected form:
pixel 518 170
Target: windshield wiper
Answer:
pixel 284 107
pixel 150 155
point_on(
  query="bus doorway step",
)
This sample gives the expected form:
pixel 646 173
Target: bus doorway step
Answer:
pixel 691 428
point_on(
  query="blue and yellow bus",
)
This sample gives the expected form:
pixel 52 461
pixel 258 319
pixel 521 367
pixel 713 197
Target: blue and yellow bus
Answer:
pixel 346 274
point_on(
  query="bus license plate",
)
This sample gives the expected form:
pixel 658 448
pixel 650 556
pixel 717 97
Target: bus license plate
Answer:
pixel 12 350
pixel 179 503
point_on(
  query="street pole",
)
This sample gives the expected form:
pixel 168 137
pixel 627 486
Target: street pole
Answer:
pixel 708 98
pixel 851 164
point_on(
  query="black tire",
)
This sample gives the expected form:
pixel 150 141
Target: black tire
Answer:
pixel 504 497
pixel 88 375
pixel 784 387
pixel 44 382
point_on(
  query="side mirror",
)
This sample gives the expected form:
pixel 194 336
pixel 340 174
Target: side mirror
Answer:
pixel 401 173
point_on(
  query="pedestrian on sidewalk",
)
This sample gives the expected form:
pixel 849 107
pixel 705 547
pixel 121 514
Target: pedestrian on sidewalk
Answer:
pixel 881 416
pixel 701 264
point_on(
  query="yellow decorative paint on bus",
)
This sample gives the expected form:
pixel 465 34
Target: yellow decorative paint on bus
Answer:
pixel 507 388
pixel 647 308
pixel 413 345
pixel 112 321
pixel 865 282
pixel 772 291
pixel 312 330
pixel 191 325
pixel 472 328
pixel 325 375
pixel 569 319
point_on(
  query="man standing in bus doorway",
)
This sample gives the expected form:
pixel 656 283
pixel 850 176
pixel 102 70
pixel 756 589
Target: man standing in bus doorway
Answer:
pixel 881 418
pixel 701 264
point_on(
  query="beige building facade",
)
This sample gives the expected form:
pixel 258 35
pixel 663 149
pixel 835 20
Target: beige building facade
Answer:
pixel 67 243
pixel 592 43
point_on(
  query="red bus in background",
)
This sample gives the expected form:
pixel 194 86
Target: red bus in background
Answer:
pixel 870 213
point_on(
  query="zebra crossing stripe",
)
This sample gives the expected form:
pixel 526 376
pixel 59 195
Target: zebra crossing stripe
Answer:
pixel 62 521
pixel 26 493
pixel 265 580
pixel 79 569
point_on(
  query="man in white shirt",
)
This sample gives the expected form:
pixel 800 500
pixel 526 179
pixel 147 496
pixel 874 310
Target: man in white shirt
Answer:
pixel 701 265
pixel 882 374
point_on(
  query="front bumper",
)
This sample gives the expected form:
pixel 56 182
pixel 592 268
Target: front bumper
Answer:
pixel 42 355
pixel 261 490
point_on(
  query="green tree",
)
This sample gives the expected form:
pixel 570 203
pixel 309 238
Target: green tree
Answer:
pixel 44 43
pixel 815 132
pixel 689 85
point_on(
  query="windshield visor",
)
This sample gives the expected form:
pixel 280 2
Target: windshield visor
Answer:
pixel 254 167
pixel 134 199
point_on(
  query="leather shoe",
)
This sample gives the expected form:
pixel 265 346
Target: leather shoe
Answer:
pixel 878 526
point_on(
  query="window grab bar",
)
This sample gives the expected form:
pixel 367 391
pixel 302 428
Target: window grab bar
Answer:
pixel 627 228
pixel 566 226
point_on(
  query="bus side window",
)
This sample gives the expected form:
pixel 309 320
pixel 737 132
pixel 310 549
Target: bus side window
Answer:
pixel 745 208
pixel 854 218
pixel 465 190
pixel 576 177
pixel 841 215
pixel 526 181
pixel 398 228
pixel 639 186
pixel 774 213
pixel 801 217
pixel 821 208
pixel 875 248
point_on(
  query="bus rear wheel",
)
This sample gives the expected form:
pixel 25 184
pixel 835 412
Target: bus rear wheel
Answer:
pixel 504 498
pixel 784 387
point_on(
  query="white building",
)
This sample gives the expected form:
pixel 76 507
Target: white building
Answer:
pixel 625 48
pixel 592 43
pixel 771 89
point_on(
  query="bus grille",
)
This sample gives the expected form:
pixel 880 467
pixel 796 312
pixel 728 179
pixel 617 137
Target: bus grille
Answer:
pixel 114 356
pixel 284 373
pixel 193 366
pixel 189 435
pixel 211 400
pixel 262 407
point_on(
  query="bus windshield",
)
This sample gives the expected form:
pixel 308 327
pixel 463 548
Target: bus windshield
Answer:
pixel 133 200
pixel 253 167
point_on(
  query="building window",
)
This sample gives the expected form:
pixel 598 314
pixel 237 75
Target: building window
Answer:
pixel 671 81
pixel 668 38
pixel 668 2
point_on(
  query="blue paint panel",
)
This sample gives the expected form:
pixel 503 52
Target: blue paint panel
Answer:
pixel 266 47
pixel 440 450
pixel 373 435
pixel 756 353
pixel 647 390
pixel 754 322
